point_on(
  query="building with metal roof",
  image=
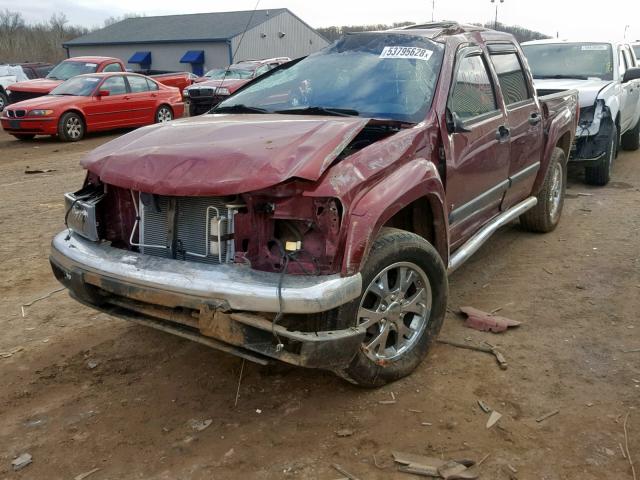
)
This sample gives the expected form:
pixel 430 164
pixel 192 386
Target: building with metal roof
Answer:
pixel 201 41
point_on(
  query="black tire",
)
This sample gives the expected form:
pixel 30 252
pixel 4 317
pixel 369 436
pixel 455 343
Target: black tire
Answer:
pixel 391 248
pixel 4 100
pixel 196 109
pixel 24 136
pixel 163 114
pixel 631 139
pixel 600 174
pixel 545 216
pixel 71 127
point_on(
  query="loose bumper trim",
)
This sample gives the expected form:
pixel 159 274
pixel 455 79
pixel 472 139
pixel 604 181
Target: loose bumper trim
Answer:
pixel 231 286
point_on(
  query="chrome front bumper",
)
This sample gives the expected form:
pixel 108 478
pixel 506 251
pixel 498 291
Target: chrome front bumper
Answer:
pixel 231 286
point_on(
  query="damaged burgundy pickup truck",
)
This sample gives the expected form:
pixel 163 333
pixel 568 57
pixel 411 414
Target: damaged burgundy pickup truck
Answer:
pixel 314 215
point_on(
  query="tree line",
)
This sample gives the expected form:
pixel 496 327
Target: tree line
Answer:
pixel 39 42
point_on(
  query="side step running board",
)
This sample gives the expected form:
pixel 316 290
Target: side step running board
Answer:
pixel 474 243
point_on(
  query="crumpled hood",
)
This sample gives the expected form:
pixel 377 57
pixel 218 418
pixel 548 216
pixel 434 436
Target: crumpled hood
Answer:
pixel 223 154
pixel 39 85
pixel 588 89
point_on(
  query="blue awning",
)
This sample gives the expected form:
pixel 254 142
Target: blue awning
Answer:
pixel 193 56
pixel 142 58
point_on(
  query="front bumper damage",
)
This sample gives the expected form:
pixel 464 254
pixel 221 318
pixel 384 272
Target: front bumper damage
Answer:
pixel 229 307
pixel 592 136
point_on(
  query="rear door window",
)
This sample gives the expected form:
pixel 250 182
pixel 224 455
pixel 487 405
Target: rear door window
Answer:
pixel 138 84
pixel 473 93
pixel 511 77
pixel 152 85
pixel 115 85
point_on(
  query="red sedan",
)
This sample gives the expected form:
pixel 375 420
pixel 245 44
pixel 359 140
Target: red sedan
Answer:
pixel 94 102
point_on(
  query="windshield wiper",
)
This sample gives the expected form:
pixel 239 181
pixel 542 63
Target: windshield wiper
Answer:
pixel 338 112
pixel 238 108
pixel 561 77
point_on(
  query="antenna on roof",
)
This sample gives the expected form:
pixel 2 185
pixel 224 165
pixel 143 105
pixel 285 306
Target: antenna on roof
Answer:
pixel 233 55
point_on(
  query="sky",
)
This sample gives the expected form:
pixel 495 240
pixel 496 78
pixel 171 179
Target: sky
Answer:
pixel 566 18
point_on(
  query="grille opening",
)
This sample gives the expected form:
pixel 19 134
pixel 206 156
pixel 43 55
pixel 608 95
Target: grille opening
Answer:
pixel 192 228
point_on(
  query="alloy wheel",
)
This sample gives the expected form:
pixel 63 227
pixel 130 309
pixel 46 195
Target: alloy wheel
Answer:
pixel 394 310
pixel 555 192
pixel 164 115
pixel 73 128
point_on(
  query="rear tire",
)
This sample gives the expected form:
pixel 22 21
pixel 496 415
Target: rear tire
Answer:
pixel 544 217
pixel 631 139
pixel 24 136
pixel 600 174
pixel 163 114
pixel 403 305
pixel 71 127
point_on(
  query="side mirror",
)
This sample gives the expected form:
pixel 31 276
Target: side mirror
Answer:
pixel 454 123
pixel 103 93
pixel 631 74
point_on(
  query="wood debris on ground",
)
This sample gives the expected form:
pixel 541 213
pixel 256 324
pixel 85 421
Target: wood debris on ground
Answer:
pixel 500 358
pixel 435 467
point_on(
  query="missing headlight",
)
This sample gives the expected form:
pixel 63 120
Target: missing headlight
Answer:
pixel 81 211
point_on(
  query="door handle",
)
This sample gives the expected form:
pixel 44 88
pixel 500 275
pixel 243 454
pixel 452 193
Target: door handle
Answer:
pixel 534 118
pixel 154 95
pixel 502 134
pixel 126 97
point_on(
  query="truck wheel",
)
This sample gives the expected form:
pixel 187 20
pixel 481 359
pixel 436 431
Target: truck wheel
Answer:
pixel 4 100
pixel 71 127
pixel 601 173
pixel 402 308
pixel 544 217
pixel 164 114
pixel 631 139
pixel 193 110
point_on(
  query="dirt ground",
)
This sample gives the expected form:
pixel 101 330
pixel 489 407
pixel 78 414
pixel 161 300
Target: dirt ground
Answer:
pixel 131 416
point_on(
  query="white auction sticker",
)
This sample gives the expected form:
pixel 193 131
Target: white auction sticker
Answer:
pixel 406 52
pixel 90 64
pixel 594 47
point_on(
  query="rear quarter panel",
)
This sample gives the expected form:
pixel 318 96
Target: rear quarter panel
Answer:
pixel 560 111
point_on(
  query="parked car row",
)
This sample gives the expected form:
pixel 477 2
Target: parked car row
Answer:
pixel 70 100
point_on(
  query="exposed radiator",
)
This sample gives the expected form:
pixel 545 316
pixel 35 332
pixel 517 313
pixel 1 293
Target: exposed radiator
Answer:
pixel 195 242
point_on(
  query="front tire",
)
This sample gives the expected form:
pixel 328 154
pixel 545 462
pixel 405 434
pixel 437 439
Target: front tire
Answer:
pixel 544 217
pixel 163 114
pixel 600 174
pixel 631 139
pixel 402 308
pixel 71 127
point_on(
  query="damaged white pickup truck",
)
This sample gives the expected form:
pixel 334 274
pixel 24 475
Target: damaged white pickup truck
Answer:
pixel 607 77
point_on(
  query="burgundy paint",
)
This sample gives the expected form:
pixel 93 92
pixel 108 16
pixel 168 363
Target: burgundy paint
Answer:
pixel 223 154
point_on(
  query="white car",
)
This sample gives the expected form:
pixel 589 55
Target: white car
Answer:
pixel 607 77
pixel 9 74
